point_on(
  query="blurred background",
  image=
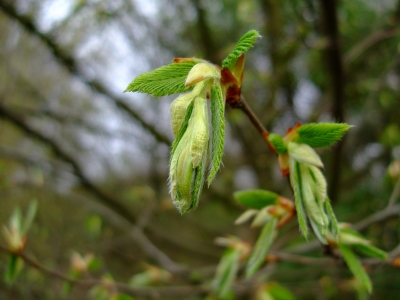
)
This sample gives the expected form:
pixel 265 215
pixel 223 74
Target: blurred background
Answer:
pixel 96 159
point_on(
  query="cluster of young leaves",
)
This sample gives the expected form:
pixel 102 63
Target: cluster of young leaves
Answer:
pixel 189 168
pixel 297 157
pixel 16 237
pixel 269 211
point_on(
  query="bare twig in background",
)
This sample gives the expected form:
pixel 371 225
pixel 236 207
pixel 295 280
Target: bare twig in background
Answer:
pixel 69 62
pixel 395 194
pixel 113 204
pixel 178 291
pixel 62 154
pixel 337 86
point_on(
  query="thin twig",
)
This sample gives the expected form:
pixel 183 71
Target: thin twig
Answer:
pixel 253 118
pixel 395 194
pixel 178 291
pixel 111 203
pixel 69 62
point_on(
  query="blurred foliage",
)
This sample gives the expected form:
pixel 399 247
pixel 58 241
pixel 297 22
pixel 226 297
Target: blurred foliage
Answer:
pixel 286 81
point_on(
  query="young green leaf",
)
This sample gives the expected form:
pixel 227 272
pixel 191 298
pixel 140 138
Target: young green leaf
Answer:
pixel 261 247
pixel 356 267
pixel 370 251
pixel 218 130
pixel 197 184
pixel 321 134
pixel 277 141
pixel 351 237
pixel 226 271
pixel 255 198
pixel 243 45
pixel 279 292
pixel 296 181
pixel 164 81
pixel 13 268
pixel 333 223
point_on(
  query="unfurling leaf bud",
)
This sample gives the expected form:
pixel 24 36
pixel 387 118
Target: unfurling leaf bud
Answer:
pixel 184 172
pixel 199 127
pixel 202 72
pixel 178 111
pixel 304 154
pixel 310 189
pixel 188 160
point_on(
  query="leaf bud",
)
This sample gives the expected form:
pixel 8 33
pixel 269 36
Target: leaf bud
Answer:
pixel 199 135
pixel 304 154
pixel 201 72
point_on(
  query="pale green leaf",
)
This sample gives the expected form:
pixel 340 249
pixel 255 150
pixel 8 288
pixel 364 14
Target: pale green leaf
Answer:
pixel 349 236
pixel 370 251
pixel 295 179
pixel 226 272
pixel 164 81
pixel 247 215
pixel 243 45
pixel 178 111
pixel 30 215
pixel 333 223
pixel 320 186
pixel 261 247
pixel 218 130
pixel 16 221
pixel 279 292
pixel 255 198
pixel 319 231
pixel 356 267
pixel 199 140
pixel 318 135
pixel 304 154
pixel 197 184
pixel 183 128
pixel 262 217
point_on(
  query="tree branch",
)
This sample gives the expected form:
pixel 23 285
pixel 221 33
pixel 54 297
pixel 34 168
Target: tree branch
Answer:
pixel 335 69
pixel 113 204
pixel 69 62
pixel 395 194
pixel 61 153
pixel 178 291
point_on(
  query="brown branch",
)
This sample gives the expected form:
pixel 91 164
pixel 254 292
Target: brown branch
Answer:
pixel 111 203
pixel 242 104
pixel 177 291
pixel 380 216
pixel 371 40
pixel 69 62
pixel 62 154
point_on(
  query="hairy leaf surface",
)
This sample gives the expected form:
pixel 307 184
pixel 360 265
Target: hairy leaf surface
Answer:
pixel 321 134
pixel 243 45
pixel 218 130
pixel 164 81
